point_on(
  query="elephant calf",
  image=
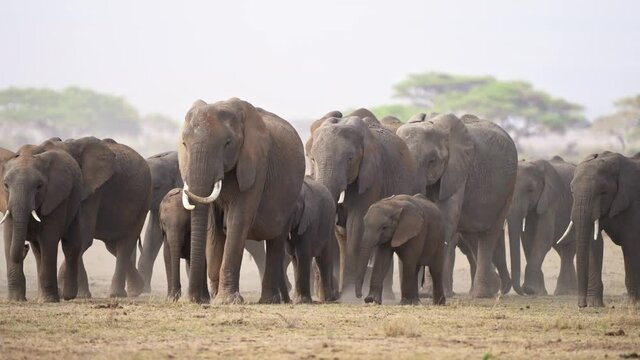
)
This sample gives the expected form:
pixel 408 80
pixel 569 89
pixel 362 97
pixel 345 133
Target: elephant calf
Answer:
pixel 412 227
pixel 175 224
pixel 312 235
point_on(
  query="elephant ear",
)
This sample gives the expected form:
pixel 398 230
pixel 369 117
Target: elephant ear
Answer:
pixel 553 186
pixel 461 149
pixel 255 147
pixel 97 163
pixel 308 207
pixel 60 168
pixel 627 186
pixel 5 155
pixel 369 164
pixel 410 223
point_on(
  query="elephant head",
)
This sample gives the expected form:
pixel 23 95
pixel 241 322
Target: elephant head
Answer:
pixel 391 221
pixel 34 184
pixel 443 149
pixel 343 153
pixel 538 186
pixel 165 176
pixel 604 186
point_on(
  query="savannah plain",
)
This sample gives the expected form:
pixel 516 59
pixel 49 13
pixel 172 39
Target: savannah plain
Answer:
pixel 149 327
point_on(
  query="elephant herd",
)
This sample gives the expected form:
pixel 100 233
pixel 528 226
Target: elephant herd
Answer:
pixel 367 189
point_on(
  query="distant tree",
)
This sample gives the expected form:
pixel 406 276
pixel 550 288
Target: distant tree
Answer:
pixel 515 105
pixel 402 112
pixel 624 124
pixel 81 109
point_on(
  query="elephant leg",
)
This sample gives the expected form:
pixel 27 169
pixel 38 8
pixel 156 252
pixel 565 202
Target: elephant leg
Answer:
pixel 435 270
pixel 328 283
pixel 166 253
pixel 303 271
pixel 47 274
pixel 383 259
pixel 595 288
pixel 274 274
pixel 135 281
pixel 122 249
pixel 409 283
pixel 451 210
pixel 256 250
pixel 424 277
pixel 486 281
pixel 387 289
pixel 72 252
pixel 567 282
pixel 630 252
pixel 500 262
pixel 341 239
pixel 216 241
pixel 538 246
pixel 151 245
pixel 175 288
pixel 468 246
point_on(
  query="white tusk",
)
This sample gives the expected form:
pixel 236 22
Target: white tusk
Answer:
pixel 341 198
pixel 185 198
pixel 217 188
pixel 596 229
pixel 566 232
pixel 524 223
pixel 6 215
pixel 35 216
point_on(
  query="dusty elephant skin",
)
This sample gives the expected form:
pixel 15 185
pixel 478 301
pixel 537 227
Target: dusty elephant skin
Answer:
pixel 361 161
pixel 40 196
pixel 313 236
pixel 243 167
pixel 538 215
pixel 411 227
pixel 467 166
pixel 115 201
pixel 606 193
pixel 165 176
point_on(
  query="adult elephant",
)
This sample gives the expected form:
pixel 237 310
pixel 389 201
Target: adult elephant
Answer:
pixel 165 175
pixel 115 202
pixel 40 197
pixel 606 193
pixel 243 167
pixel 360 162
pixel 468 167
pixel 538 215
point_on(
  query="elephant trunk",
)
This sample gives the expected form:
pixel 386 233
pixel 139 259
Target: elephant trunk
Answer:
pixel 582 217
pixel 151 246
pixel 173 241
pixel 362 263
pixel 514 223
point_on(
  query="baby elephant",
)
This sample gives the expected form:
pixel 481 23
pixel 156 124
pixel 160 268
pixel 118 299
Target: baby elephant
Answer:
pixel 312 236
pixel 412 227
pixel 175 223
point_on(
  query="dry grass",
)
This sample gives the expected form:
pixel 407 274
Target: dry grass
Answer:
pixel 150 328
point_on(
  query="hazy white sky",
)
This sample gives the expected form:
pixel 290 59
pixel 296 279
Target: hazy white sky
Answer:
pixel 302 59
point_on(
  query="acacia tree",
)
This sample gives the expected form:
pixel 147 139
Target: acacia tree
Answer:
pixel 623 124
pixel 517 106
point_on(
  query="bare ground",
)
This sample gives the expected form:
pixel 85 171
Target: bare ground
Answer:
pixel 149 327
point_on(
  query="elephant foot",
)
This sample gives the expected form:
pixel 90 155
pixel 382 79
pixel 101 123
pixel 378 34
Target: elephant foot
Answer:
pixel 228 299
pixel 505 288
pixel 595 301
pixel 69 295
pixel 174 295
pixel 302 299
pixel 83 294
pixel 50 298
pixel 146 289
pixel 528 290
pixel 439 300
pixel 120 293
pixel 273 298
pixel 135 286
pixel 483 292
pixel 16 298
pixel 373 299
pixel 405 301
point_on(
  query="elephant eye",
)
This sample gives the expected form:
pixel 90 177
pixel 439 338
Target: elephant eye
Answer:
pixel 6 186
pixel 227 143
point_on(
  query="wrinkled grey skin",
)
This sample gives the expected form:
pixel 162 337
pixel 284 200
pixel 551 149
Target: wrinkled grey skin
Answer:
pixel 117 184
pixel 175 226
pixel 542 196
pixel 260 160
pixel 606 186
pixel 467 166
pixel 49 183
pixel 165 175
pixel 391 122
pixel 357 155
pixel 411 227
pixel 312 237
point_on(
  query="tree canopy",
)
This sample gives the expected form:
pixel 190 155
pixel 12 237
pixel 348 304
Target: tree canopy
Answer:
pixel 71 107
pixel 624 123
pixel 517 106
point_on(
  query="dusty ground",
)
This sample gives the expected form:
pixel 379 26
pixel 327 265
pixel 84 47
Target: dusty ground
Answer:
pixel 149 327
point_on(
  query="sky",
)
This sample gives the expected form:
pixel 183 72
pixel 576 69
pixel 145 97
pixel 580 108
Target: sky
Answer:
pixel 301 59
